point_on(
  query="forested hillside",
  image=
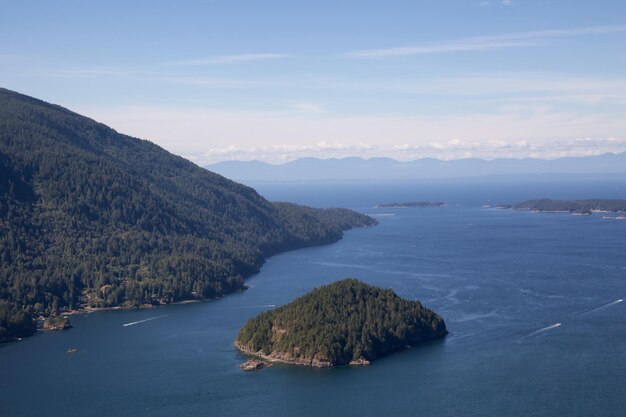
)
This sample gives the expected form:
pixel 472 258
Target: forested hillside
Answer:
pixel 573 206
pixel 346 321
pixel 91 217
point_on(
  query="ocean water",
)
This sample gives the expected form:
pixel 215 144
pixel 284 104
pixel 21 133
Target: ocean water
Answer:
pixel 531 301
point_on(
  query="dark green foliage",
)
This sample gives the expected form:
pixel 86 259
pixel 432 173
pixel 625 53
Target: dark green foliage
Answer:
pixel 14 321
pixel 341 322
pixel 305 221
pixel 90 217
pixel 573 206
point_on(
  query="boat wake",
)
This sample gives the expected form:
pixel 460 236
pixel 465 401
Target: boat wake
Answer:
pixel 555 325
pixel 143 321
pixel 603 307
pixel 545 329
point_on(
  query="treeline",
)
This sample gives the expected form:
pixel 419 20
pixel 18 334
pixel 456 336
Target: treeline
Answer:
pixel 341 322
pixel 573 206
pixel 90 217
pixel 14 321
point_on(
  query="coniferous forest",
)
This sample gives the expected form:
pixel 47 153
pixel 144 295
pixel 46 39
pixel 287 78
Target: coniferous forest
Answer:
pixel 340 323
pixel 573 206
pixel 93 218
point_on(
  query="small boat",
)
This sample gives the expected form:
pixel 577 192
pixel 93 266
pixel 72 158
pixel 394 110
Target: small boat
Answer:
pixel 71 350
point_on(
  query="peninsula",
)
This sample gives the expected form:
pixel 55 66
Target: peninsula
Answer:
pixel 346 322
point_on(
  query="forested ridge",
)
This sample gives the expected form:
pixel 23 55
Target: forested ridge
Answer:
pixel 339 323
pixel 91 217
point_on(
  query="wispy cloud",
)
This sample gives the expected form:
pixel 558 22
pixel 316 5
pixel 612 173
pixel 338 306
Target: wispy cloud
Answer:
pixel 201 134
pixel 449 150
pixel 485 3
pixel 285 152
pixel 485 87
pixel 227 59
pixel 497 86
pixel 207 82
pixel 481 43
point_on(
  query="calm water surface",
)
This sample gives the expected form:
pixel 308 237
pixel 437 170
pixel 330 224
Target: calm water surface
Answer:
pixel 501 279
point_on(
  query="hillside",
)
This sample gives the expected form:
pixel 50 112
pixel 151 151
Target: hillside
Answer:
pixel 337 324
pixel 91 217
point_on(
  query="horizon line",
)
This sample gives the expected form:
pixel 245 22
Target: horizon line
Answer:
pixel 332 158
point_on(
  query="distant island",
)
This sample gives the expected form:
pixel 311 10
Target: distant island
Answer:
pixel 346 322
pixel 92 219
pixel 579 207
pixel 413 204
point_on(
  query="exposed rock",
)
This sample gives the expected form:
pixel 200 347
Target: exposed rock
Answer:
pixel 254 365
pixel 54 323
pixel 359 362
pixel 283 357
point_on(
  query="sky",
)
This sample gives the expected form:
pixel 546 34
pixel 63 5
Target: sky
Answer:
pixel 279 80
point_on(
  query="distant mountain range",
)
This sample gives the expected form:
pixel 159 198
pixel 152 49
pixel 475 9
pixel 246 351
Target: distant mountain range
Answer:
pixel 387 169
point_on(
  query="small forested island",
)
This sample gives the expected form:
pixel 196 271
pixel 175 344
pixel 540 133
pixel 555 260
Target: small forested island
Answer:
pixel 91 218
pixel 346 322
pixel 580 207
pixel 413 204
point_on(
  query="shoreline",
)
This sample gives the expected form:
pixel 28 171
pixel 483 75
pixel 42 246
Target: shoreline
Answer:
pixel 593 211
pixel 290 361
pixel 315 363
pixel 89 310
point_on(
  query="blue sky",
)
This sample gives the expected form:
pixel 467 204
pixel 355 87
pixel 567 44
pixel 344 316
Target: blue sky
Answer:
pixel 276 80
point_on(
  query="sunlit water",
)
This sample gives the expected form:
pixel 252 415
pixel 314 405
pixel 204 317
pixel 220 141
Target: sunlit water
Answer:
pixel 531 301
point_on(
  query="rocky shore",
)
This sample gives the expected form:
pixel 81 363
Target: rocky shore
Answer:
pixel 283 358
pixel 254 365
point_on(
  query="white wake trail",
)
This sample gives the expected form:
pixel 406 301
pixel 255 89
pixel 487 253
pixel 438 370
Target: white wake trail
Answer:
pixel 545 329
pixel 603 307
pixel 143 321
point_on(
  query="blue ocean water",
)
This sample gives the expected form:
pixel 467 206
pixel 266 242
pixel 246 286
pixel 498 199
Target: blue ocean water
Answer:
pixel 502 280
